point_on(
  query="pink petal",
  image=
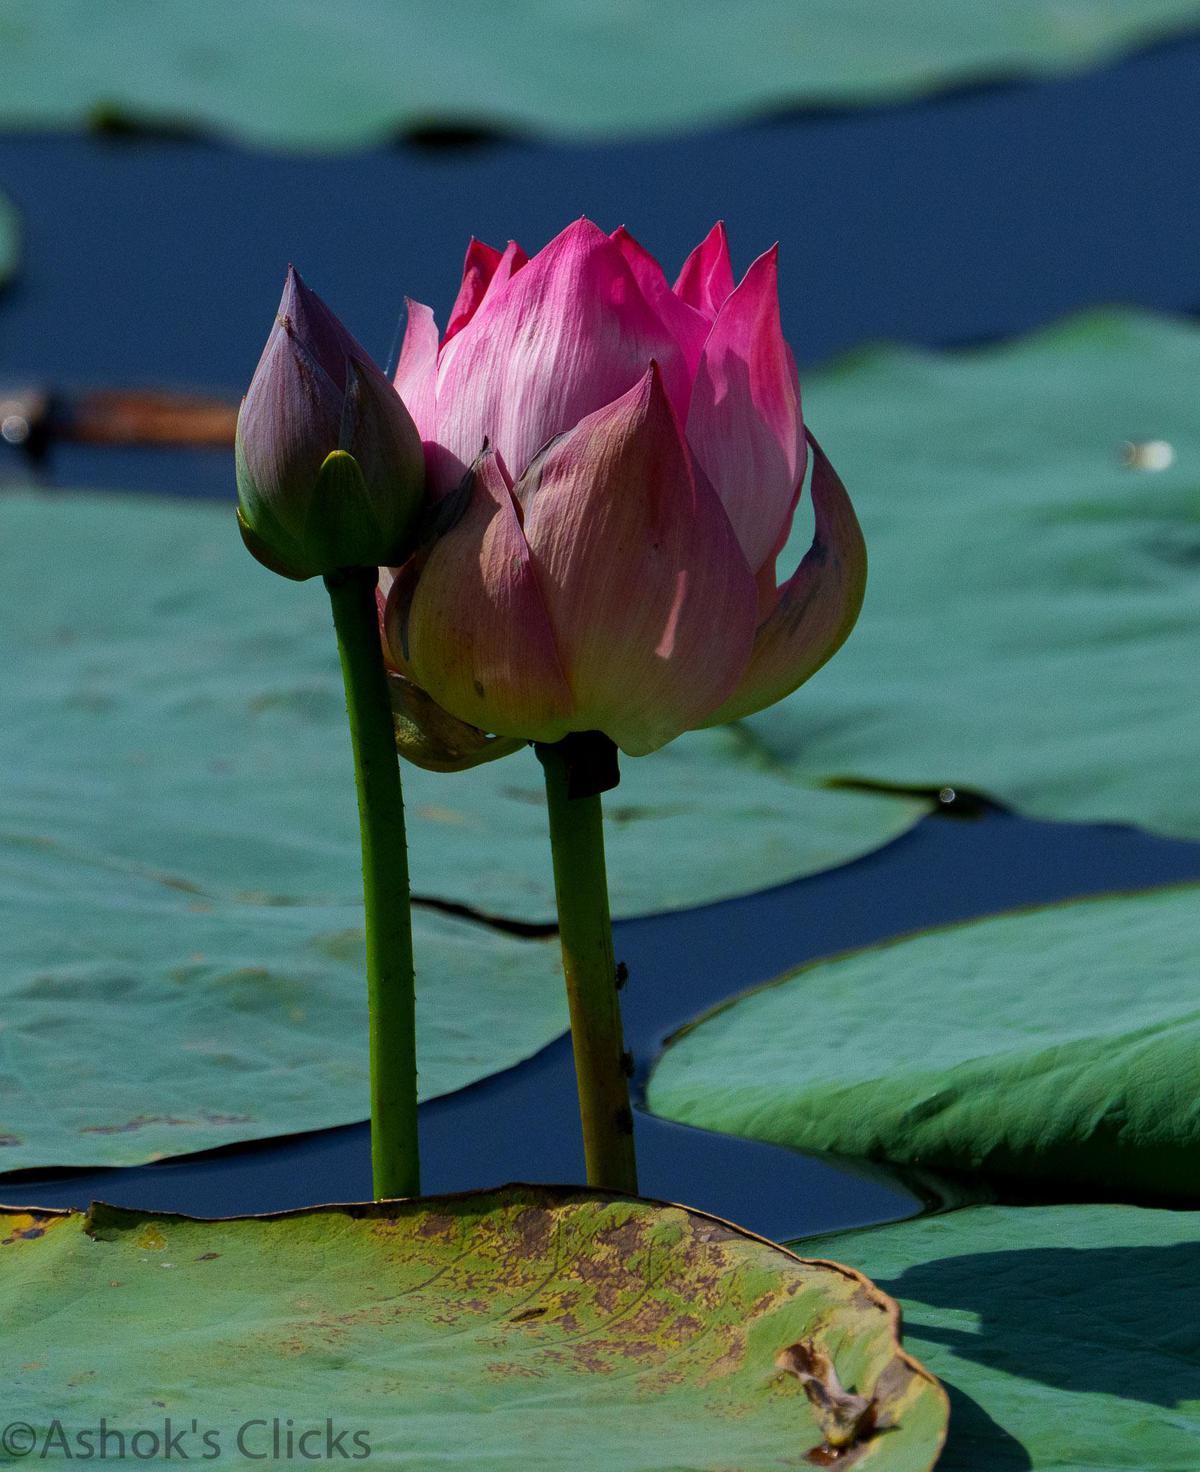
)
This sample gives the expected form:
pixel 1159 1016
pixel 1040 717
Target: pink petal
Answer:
pixel 707 275
pixel 650 599
pixel 562 337
pixel 470 626
pixel 478 269
pixel 744 423
pixel 510 263
pixel 684 323
pixel 485 270
pixel 816 608
pixel 416 372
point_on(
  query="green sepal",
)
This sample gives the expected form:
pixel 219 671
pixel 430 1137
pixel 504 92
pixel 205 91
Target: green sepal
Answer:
pixel 431 738
pixel 265 554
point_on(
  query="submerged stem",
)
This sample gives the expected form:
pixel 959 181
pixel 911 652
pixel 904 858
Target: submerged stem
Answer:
pixel 581 887
pixel 395 1164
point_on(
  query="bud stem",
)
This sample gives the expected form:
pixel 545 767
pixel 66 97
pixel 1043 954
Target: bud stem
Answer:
pixel 395 1164
pixel 585 930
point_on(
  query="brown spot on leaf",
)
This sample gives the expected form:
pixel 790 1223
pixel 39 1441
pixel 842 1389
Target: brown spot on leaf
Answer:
pixel 436 1225
pixel 846 1419
pixel 507 1370
pixel 134 1124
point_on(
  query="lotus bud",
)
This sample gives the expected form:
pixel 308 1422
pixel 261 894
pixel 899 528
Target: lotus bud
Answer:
pixel 330 470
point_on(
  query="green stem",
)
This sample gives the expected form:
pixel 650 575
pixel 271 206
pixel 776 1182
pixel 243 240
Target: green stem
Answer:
pixel 395 1164
pixel 585 930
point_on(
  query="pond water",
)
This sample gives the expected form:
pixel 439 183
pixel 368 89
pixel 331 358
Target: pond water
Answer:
pixel 970 216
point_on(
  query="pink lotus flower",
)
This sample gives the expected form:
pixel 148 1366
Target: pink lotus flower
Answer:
pixel 619 461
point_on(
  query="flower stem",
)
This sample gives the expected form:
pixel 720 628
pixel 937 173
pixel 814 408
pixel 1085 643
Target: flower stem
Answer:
pixel 395 1165
pixel 585 930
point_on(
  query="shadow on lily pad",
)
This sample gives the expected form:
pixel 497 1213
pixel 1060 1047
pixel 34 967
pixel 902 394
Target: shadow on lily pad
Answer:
pixel 1067 1335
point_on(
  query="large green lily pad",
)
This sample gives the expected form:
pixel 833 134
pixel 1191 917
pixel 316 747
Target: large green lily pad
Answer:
pixel 1060 1045
pixel 145 1016
pixel 1066 1335
pixel 170 704
pixel 520 1329
pixel 1032 624
pixel 282 73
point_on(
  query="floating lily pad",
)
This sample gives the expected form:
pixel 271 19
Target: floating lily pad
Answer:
pixel 1032 621
pixel 144 1016
pixel 1066 1335
pixel 172 706
pixel 10 239
pixel 1059 1044
pixel 503 1330
pixel 279 74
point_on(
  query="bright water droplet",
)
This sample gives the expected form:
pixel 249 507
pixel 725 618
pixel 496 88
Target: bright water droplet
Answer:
pixel 1148 454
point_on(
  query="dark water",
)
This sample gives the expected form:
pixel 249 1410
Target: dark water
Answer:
pixel 971 216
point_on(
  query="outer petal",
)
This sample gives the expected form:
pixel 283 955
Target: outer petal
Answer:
pixel 650 599
pixel 416 372
pixel 816 608
pixel 478 269
pixel 563 337
pixel 289 421
pixel 687 326
pixel 473 632
pixel 744 423
pixel 707 275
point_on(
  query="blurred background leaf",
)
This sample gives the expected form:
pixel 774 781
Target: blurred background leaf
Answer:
pixel 304 74
pixel 1032 619
pixel 206 696
pixel 163 1019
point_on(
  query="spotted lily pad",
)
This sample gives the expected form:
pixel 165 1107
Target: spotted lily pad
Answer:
pixel 1066 1336
pixel 490 1331
pixel 281 74
pixel 1033 518
pixel 171 706
pixel 1060 1045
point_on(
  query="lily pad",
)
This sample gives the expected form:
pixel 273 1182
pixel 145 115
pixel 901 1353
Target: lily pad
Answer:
pixel 1033 518
pixel 171 706
pixel 10 239
pixel 1066 1335
pixel 145 1016
pixel 285 75
pixel 492 1331
pixel 1060 1045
